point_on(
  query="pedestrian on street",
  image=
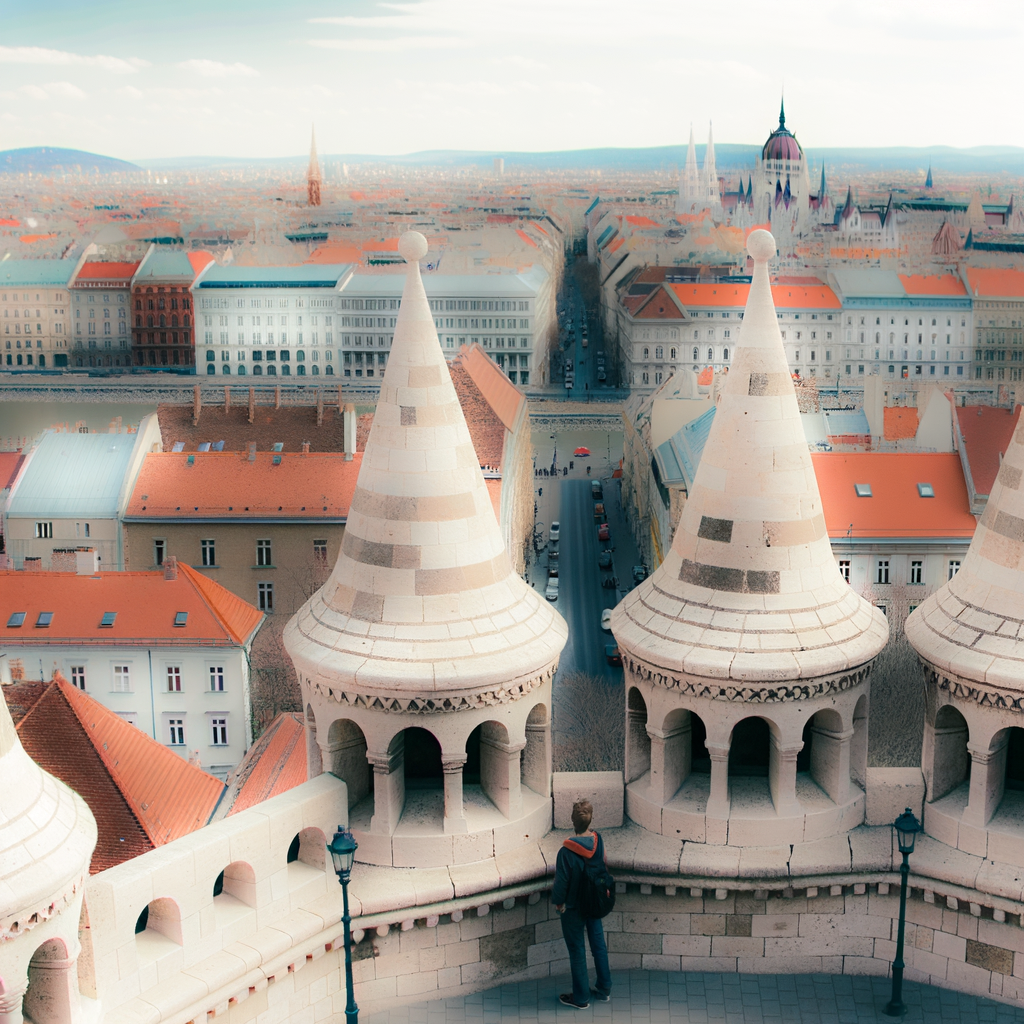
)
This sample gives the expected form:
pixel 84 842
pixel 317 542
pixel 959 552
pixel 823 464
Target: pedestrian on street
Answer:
pixel 585 849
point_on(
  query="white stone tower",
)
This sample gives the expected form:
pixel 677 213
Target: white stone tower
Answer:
pixel 712 195
pixel 690 191
pixel 425 656
pixel 970 636
pixel 47 835
pixel 746 653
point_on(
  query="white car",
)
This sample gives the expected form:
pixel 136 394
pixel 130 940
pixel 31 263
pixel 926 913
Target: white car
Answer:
pixel 552 589
pixel 554 531
pixel 606 620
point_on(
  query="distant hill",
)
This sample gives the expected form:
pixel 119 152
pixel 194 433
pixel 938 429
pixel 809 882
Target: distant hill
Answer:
pixel 50 160
pixel 729 157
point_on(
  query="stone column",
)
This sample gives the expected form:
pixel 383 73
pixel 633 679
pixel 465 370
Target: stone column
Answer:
pixel 718 801
pixel 536 764
pixel 11 1002
pixel 988 780
pixel 782 776
pixel 638 744
pixel 671 754
pixel 52 996
pixel 388 787
pixel 500 774
pixel 944 757
pixel 346 758
pixel 454 813
pixel 830 761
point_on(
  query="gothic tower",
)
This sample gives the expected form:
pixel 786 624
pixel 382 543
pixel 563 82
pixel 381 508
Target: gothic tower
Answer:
pixel 313 178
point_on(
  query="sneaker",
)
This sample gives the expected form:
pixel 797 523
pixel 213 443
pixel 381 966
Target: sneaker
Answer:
pixel 566 1000
pixel 601 997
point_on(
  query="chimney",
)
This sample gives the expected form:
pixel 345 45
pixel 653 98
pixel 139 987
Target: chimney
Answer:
pixel 197 406
pixel 227 398
pixel 319 408
pixel 349 431
pixel 87 562
pixel 277 397
pixel 170 568
pixel 305 447
pixel 32 563
pixel 252 451
pixel 252 404
pixel 63 560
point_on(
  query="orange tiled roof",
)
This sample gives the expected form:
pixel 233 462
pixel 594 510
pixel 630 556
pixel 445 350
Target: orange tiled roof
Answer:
pixel 616 245
pixel 785 296
pixel 900 422
pixel 504 398
pixel 107 271
pixel 200 260
pixel 227 486
pixel 895 508
pixel 275 763
pixel 986 431
pixel 932 284
pixel 145 602
pixel 641 222
pixel 525 237
pixel 32 239
pixel 10 463
pixel 991 281
pixel 494 490
pixel 142 794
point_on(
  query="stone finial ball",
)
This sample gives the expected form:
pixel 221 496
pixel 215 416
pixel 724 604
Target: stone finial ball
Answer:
pixel 413 246
pixel 760 245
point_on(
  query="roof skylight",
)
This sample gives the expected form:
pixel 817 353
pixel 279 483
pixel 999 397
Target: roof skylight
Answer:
pixel 108 619
pixel 925 491
pixel 45 618
pixel 863 490
pixel 181 618
pixel 16 619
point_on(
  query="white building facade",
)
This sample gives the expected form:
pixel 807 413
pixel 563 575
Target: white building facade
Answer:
pixel 36 314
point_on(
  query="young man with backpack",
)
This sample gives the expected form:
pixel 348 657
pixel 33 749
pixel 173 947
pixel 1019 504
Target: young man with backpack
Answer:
pixel 583 893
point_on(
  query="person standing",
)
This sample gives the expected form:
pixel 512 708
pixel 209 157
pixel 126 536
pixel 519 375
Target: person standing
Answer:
pixel 583 852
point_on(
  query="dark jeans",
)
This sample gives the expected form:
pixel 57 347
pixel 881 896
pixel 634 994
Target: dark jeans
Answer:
pixel 573 927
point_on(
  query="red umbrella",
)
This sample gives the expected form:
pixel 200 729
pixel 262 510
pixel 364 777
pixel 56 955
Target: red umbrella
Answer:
pixel 581 451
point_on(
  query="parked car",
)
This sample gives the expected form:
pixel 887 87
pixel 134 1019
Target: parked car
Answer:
pixel 553 531
pixel 610 582
pixel 599 512
pixel 639 574
pixel 595 490
pixel 604 560
pixel 606 620
pixel 552 570
pixel 603 533
pixel 552 589
pixel 602 376
pixel 552 555
pixel 612 655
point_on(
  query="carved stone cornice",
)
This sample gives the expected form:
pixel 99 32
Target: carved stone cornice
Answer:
pixel 779 692
pixel 426 705
pixel 977 693
pixel 25 920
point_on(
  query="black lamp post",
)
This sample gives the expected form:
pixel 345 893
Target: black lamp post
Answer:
pixel 907 827
pixel 343 852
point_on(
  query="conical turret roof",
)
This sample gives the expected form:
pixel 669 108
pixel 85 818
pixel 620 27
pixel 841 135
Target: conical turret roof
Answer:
pixel 423 601
pixel 972 628
pixel 47 835
pixel 750 590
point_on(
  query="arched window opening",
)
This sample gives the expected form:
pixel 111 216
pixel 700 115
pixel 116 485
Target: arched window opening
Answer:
pixel 158 930
pixel 536 761
pixel 234 892
pixel 52 993
pixel 750 749
pixel 422 760
pixel 346 759
pixel 951 763
pixel 307 854
pixel 1015 760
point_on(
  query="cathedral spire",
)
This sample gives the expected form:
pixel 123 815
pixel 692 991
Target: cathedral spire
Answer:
pixel 313 178
pixel 928 180
pixel 822 189
pixel 711 191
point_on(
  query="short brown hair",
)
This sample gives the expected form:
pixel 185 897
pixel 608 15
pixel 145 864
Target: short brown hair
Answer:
pixel 582 815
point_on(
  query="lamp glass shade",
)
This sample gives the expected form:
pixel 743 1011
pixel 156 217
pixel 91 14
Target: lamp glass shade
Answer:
pixel 343 850
pixel 907 826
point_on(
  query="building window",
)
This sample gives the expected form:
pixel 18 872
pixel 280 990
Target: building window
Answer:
pixel 209 552
pixel 265 594
pixel 844 569
pixel 123 678
pixel 220 732
pixel 159 551
pixel 882 571
pixel 174 679
pixel 217 678
pixel 917 572
pixel 78 676
pixel 320 552
pixel 263 553
pixel 44 531
pixel 176 732
pixel 954 568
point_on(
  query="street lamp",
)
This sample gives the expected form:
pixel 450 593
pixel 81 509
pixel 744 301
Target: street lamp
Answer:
pixel 906 827
pixel 343 852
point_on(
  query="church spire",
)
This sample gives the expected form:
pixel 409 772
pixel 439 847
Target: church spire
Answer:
pixel 711 190
pixel 928 180
pixel 782 112
pixel 690 191
pixel 313 178
pixel 822 189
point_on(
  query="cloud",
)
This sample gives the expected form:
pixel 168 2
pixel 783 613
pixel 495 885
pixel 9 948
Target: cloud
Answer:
pixel 215 69
pixel 62 90
pixel 396 45
pixel 40 55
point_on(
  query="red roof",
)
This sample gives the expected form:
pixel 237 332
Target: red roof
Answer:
pixel 785 296
pixel 107 271
pixel 226 485
pixel 932 284
pixel 895 508
pixel 200 260
pixel 275 763
pixel 141 794
pixel 993 282
pixel 641 222
pixel 900 422
pixel 986 432
pixel 145 604
pixel 10 463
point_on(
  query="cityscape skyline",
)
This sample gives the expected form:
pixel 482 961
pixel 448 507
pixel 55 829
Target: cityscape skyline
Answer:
pixel 103 80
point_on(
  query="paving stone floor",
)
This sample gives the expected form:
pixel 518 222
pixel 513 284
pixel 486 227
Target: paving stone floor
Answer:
pixel 657 997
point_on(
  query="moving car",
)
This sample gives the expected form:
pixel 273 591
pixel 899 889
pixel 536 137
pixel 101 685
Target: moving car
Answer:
pixel 639 574
pixel 606 620
pixel 603 533
pixel 552 589
pixel 554 531
pixel 604 560
pixel 599 511
pixel 595 490
pixel 612 655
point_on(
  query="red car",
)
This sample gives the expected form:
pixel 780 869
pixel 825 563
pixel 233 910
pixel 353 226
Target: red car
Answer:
pixel 603 532
pixel 612 654
pixel 581 451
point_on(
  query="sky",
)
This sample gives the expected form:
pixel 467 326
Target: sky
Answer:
pixel 248 78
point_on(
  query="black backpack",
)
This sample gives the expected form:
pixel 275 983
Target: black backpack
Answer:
pixel 596 896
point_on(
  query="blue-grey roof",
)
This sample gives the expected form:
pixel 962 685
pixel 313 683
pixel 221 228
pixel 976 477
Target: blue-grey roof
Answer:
pixel 165 265
pixel 679 456
pixel 36 272
pixel 855 283
pixel 846 423
pixel 307 275
pixel 73 475
pixel 524 284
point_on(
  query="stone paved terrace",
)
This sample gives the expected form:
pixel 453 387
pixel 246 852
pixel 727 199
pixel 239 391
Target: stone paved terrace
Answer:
pixel 659 997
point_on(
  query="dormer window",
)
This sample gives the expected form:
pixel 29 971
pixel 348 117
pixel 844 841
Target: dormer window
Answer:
pixel 925 491
pixel 863 490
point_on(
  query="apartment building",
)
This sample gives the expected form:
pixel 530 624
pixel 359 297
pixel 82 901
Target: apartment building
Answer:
pixel 162 316
pixel 100 301
pixel 998 297
pixel 36 314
